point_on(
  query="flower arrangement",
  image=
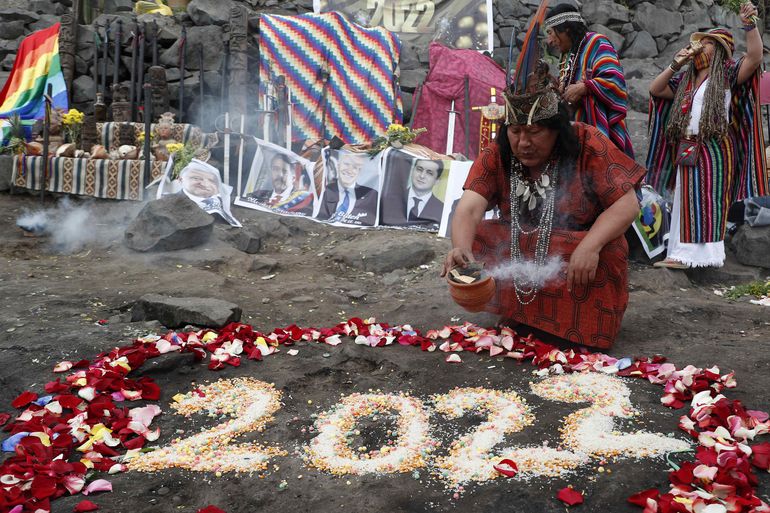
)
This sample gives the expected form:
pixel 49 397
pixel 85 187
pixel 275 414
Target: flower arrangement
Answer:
pixel 183 154
pixel 396 136
pixel 73 123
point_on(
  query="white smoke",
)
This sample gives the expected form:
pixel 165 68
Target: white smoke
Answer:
pixel 528 272
pixel 71 227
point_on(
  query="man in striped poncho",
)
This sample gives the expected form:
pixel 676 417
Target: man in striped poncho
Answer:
pixel 590 75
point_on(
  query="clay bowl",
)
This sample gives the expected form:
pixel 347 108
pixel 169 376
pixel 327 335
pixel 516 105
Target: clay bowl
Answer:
pixel 473 297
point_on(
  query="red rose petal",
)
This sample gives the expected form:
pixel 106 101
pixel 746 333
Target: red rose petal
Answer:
pixel 570 496
pixel 211 509
pixel 760 456
pixel 507 467
pixel 84 506
pixel 640 499
pixel 24 399
pixel 4 417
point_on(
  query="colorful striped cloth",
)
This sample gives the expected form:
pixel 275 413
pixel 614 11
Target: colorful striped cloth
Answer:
pixel 728 170
pixel 606 103
pixel 36 66
pixel 99 178
pixel 362 92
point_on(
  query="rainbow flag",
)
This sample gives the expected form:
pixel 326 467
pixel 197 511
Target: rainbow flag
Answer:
pixel 36 66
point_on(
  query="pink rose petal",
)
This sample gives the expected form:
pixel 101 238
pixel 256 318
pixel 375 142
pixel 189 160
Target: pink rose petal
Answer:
pixel 100 485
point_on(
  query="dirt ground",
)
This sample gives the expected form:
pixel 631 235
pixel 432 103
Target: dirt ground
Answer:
pixel 51 303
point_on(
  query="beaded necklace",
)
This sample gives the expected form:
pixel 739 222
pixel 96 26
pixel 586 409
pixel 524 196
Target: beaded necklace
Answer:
pixel 569 66
pixel 531 192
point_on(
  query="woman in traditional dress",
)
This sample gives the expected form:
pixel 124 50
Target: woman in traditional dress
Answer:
pixel 564 192
pixel 707 145
pixel 590 75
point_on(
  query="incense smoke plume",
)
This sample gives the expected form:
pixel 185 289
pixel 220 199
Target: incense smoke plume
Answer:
pixel 528 272
pixel 71 227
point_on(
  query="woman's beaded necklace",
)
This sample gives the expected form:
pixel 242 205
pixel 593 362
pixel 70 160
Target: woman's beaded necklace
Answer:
pixel 531 192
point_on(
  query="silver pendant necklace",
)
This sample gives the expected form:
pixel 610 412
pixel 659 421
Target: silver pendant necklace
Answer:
pixel 530 193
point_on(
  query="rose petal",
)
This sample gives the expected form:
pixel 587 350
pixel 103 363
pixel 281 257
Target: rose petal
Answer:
pixel 453 358
pixel 570 496
pixel 24 399
pixel 100 485
pixel 211 509
pixel 62 366
pixel 507 467
pixel 84 506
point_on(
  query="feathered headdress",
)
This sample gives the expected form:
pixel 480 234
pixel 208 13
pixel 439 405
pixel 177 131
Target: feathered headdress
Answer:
pixel 532 94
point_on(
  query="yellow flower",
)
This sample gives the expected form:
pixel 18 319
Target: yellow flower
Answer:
pixel 174 147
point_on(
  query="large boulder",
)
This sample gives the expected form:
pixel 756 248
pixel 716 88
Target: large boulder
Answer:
pixel 640 46
pixel 210 12
pixel 11 29
pixel 177 312
pixel 383 256
pixel 209 38
pixel 170 223
pixel 752 245
pixel 83 89
pixel 616 39
pixel 658 21
pixel 18 15
pixel 604 12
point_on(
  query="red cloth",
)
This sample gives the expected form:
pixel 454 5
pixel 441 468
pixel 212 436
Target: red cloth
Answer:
pixel 588 315
pixel 446 82
pixel 764 88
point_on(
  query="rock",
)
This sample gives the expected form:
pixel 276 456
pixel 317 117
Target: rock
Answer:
pixel 302 299
pixel 6 172
pixel 721 17
pixel 11 29
pixel 658 280
pixel 605 12
pixel 640 46
pixel 176 312
pixel 246 240
pixel 615 38
pixel 377 256
pixel 658 21
pixel 210 12
pixel 7 62
pixel 115 6
pixel 730 274
pixel 357 295
pixel 638 93
pixel 263 264
pixel 45 7
pixel 170 223
pixel 83 89
pixel 412 78
pixel 699 18
pixel 752 245
pixel 45 21
pixel 22 15
pixel 210 37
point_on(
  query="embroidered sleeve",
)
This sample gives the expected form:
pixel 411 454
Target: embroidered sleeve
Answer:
pixel 485 175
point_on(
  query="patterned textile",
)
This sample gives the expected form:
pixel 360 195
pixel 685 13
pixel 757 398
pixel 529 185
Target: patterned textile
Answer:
pixel 588 315
pixel 183 132
pixel 728 170
pixel 109 179
pixel 605 104
pixel 362 95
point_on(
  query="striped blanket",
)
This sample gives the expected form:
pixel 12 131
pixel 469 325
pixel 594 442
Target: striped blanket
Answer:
pixel 606 103
pixel 182 132
pixel 361 97
pixel 109 179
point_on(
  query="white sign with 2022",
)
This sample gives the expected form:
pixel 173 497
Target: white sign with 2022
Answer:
pixel 249 404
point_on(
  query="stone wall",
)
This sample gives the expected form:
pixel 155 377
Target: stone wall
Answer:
pixel 646 34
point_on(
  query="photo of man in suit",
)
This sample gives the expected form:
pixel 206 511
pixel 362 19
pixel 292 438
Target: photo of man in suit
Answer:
pixel 286 193
pixel 422 206
pixel 344 200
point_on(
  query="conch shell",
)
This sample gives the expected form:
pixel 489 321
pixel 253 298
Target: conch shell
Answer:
pixel 99 152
